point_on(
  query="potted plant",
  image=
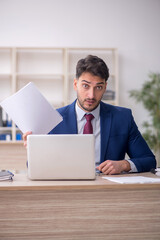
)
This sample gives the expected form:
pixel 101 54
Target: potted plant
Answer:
pixel 149 95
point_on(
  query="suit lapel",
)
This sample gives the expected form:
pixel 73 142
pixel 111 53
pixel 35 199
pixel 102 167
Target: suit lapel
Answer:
pixel 70 119
pixel 105 124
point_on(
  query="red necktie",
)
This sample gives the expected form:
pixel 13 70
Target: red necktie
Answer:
pixel 88 129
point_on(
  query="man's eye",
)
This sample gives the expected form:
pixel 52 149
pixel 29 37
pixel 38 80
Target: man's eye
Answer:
pixel 99 87
pixel 85 85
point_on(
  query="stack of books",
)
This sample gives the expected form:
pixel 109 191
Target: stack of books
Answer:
pixel 6 175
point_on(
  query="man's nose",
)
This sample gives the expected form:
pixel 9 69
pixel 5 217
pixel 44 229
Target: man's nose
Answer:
pixel 91 93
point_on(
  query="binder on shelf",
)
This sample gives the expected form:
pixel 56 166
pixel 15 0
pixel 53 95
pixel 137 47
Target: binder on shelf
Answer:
pixel 9 121
pixel 5 137
pixel 1 123
pixel 2 137
pixel 4 118
pixel 18 136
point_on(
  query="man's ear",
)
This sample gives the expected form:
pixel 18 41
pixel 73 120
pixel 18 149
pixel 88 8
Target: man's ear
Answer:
pixel 75 84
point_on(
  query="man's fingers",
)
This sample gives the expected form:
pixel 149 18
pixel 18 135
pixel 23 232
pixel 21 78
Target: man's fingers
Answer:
pixel 105 168
pixel 110 167
pixel 102 165
pixel 108 170
pixel 25 137
pixel 26 134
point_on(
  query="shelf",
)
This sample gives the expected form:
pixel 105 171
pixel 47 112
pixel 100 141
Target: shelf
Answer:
pixel 40 76
pixel 5 75
pixel 5 61
pixel 5 129
pixel 11 142
pixel 53 71
pixel 41 60
pixel 111 102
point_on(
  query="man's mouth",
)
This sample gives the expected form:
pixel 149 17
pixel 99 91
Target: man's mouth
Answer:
pixel 90 101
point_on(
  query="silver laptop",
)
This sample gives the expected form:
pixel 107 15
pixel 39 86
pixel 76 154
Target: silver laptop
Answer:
pixel 61 157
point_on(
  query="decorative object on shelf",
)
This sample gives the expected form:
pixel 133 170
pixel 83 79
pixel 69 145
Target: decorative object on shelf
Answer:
pixel 149 95
pixel 109 95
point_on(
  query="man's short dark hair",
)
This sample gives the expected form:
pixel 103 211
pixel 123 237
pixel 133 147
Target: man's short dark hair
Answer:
pixel 94 65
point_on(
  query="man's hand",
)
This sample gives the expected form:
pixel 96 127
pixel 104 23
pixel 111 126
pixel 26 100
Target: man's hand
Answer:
pixel 109 167
pixel 25 138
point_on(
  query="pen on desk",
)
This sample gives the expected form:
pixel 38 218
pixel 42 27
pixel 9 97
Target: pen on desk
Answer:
pixel 97 171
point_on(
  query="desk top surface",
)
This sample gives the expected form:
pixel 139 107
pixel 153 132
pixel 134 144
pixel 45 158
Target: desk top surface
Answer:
pixel 21 182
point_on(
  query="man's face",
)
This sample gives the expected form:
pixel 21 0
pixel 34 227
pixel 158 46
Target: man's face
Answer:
pixel 90 90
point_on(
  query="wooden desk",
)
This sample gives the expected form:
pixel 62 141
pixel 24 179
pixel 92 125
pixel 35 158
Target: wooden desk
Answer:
pixel 77 210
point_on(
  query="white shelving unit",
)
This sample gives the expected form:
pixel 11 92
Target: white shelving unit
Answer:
pixel 53 71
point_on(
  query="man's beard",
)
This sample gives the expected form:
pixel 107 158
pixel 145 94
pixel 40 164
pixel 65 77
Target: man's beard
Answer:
pixel 88 109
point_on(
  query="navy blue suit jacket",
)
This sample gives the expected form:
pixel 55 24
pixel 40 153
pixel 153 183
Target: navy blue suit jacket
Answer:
pixel 119 135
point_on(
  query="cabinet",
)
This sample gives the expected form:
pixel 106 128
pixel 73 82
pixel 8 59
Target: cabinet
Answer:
pixel 53 71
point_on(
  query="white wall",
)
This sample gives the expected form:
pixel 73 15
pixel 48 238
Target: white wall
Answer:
pixel 133 26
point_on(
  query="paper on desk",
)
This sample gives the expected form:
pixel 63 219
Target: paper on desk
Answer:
pixel 30 111
pixel 133 179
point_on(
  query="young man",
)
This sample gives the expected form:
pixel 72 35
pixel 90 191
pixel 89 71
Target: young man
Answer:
pixel 114 128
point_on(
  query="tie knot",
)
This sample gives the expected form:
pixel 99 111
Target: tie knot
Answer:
pixel 89 117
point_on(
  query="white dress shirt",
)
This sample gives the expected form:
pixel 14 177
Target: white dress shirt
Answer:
pixel 81 121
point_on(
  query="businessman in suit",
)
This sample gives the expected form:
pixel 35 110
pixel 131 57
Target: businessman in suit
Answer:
pixel 114 128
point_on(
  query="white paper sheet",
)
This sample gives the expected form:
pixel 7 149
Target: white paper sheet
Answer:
pixel 133 179
pixel 30 111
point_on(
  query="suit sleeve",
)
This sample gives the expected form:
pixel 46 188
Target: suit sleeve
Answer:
pixel 138 150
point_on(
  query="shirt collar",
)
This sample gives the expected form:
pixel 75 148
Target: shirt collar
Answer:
pixel 80 113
